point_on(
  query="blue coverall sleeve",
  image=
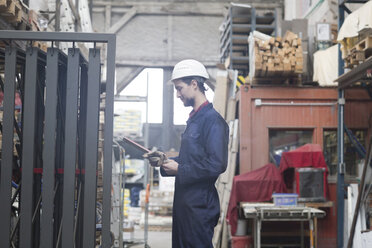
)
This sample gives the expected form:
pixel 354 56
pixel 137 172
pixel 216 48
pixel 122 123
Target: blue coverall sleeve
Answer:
pixel 215 161
pixel 162 171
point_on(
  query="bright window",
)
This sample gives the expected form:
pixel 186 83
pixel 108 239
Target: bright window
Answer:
pixel 138 87
pixel 181 113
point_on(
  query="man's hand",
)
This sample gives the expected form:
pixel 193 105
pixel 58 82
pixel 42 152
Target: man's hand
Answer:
pixel 155 158
pixel 170 167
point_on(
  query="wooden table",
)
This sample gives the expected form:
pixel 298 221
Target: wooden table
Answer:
pixel 260 212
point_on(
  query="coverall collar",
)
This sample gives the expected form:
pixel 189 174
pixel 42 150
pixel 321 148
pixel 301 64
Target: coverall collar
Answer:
pixel 200 111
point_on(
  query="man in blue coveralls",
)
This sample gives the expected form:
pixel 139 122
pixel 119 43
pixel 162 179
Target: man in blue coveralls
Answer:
pixel 202 158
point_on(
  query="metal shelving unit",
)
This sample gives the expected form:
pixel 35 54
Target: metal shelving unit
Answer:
pixel 237 25
pixel 346 80
pixel 56 166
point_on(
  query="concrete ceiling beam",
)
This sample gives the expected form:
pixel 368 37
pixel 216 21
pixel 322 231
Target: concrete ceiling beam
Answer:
pixel 124 20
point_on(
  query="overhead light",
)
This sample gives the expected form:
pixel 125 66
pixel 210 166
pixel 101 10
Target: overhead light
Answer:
pixel 241 5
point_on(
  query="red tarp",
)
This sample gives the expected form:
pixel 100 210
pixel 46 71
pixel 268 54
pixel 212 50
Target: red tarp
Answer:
pixel 254 186
pixel 309 155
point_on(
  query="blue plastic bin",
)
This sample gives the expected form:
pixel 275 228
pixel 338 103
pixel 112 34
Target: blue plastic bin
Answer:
pixel 285 199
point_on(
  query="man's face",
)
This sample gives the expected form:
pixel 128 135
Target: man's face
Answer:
pixel 185 92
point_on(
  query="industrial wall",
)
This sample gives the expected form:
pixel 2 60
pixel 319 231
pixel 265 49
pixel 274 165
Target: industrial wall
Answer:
pixel 160 33
pixel 256 121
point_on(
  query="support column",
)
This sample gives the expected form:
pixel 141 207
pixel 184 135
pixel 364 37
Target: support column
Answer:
pixel 167 127
pixel 340 144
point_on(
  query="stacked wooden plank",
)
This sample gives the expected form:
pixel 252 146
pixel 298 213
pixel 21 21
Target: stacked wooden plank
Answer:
pixel 280 56
pixel 13 11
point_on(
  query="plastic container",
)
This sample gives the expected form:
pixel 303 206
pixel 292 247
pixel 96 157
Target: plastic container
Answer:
pixel 241 241
pixel 285 199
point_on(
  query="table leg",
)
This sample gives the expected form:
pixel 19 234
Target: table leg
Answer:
pixel 259 233
pixel 302 235
pixel 315 232
pixel 311 233
pixel 255 232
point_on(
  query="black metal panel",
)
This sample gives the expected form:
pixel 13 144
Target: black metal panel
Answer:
pixel 46 238
pixel 73 70
pixel 82 142
pixel 28 147
pixel 7 145
pixel 60 140
pixel 39 122
pixel 91 150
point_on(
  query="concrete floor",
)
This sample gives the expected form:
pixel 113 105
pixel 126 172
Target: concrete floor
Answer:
pixel 156 239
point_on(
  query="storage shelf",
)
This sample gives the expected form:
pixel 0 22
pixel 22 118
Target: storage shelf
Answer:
pixel 237 26
pixel 359 74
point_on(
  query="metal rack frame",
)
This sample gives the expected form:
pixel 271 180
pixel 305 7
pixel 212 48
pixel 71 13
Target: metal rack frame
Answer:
pixel 59 152
pixel 234 37
pixel 345 80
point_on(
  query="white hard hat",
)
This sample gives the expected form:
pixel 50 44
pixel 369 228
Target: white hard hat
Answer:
pixel 189 67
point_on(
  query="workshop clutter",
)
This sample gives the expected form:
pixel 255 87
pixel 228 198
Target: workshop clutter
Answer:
pixel 126 202
pixel 160 202
pixel 128 123
pixel 160 209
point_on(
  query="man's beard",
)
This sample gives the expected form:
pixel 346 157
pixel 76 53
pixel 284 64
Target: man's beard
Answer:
pixel 189 102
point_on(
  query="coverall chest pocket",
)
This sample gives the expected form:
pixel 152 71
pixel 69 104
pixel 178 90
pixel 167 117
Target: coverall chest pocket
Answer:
pixel 192 133
pixel 192 140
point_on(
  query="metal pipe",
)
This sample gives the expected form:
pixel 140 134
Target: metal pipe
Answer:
pixel 340 145
pixel 294 104
pixel 57 36
pixel 360 193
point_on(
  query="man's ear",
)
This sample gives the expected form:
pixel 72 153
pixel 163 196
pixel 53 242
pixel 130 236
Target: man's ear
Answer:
pixel 194 83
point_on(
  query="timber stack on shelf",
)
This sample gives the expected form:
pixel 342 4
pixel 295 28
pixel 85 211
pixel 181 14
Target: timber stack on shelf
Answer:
pixel 276 60
pixel 237 25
